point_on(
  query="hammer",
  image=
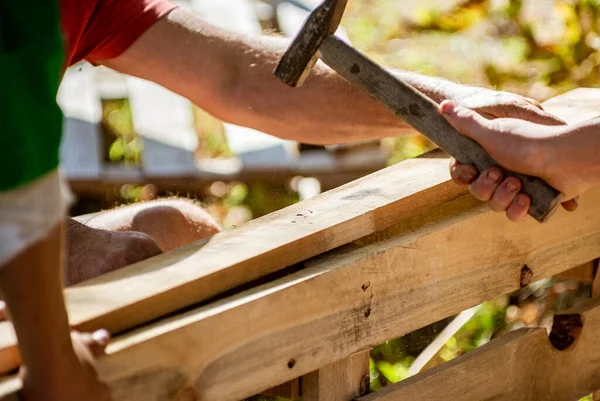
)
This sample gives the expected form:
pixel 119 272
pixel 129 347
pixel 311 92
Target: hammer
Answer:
pixel 316 40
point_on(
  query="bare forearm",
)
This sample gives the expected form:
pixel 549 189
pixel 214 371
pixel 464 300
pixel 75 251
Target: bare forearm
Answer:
pixel 231 76
pixel 578 149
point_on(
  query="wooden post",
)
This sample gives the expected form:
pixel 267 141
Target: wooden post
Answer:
pixel 343 380
pixel 289 390
pixel 596 287
pixel 583 273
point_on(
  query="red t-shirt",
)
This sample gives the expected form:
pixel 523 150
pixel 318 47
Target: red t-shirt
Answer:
pixel 103 29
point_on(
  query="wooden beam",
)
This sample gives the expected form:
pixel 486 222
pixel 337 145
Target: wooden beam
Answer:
pixel 348 300
pixel 121 299
pixel 343 380
pixel 289 390
pixel 596 283
pixel 519 366
pixel 343 302
pixel 148 290
pixel 583 273
pixel 195 273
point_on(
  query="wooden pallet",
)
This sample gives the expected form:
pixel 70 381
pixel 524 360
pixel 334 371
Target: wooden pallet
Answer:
pixel 308 290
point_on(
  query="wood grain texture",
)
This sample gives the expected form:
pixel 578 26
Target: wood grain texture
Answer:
pixel 519 366
pixel 406 192
pixel 422 113
pixel 343 380
pixel 158 286
pixel 575 106
pixel 289 390
pixel 342 302
pixel 583 273
pixel 596 283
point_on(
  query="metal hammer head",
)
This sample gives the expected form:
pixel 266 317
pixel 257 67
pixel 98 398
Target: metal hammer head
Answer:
pixel 303 52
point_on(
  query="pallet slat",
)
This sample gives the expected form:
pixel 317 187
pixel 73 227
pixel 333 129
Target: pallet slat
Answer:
pixel 342 380
pixel 342 302
pixel 150 289
pixel 519 366
pixel 345 301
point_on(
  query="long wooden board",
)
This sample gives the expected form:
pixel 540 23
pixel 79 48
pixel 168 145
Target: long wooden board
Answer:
pixel 155 287
pixel 158 286
pixel 344 302
pixel 520 366
pixel 348 300
pixel 342 380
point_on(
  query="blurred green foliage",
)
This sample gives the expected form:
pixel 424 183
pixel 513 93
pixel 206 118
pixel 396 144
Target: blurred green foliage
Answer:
pixel 124 146
pixel 536 48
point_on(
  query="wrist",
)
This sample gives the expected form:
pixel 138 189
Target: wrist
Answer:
pixel 581 143
pixel 437 89
pixel 572 155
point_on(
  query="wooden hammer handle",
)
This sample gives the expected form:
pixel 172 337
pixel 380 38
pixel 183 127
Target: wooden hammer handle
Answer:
pixel 423 114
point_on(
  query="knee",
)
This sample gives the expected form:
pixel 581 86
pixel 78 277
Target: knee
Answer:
pixel 173 223
pixel 92 252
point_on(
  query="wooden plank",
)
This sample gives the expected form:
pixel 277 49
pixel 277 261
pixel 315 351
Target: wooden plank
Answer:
pixel 158 286
pixel 596 283
pixel 343 380
pixel 519 366
pixel 583 273
pixel 289 390
pixel 343 302
pixel 150 289
pixel 575 106
pixel 155 287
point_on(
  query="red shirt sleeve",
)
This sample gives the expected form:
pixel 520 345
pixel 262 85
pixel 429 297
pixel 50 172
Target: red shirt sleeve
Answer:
pixel 103 29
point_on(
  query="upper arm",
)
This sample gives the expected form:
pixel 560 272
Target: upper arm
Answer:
pixel 103 29
pixel 184 54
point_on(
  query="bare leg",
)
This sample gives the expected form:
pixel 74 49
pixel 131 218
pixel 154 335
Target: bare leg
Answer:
pixel 116 238
pixel 93 252
pixel 172 223
pixel 32 289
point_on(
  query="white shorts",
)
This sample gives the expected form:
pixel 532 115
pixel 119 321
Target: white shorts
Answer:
pixel 29 212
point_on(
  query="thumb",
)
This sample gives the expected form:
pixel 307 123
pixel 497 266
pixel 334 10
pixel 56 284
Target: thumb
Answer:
pixel 466 121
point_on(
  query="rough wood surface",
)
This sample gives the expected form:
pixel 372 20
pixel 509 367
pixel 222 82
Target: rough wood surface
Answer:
pixel 145 291
pixel 345 301
pixel 289 390
pixel 343 380
pixel 153 288
pixel 583 273
pixel 422 113
pixel 519 366
pixel 596 283
pixel 342 302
